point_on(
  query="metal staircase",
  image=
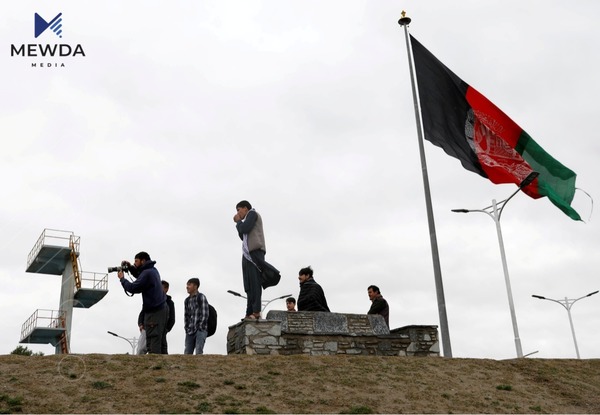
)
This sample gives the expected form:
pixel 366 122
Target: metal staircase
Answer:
pixel 73 240
pixel 64 341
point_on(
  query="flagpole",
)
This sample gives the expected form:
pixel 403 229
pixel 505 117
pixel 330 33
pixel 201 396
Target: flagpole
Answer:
pixel 437 272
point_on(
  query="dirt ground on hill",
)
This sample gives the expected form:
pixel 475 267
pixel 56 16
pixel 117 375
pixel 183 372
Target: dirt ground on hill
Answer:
pixel 295 384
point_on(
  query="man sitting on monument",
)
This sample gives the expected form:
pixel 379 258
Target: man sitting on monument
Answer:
pixel 312 297
pixel 379 305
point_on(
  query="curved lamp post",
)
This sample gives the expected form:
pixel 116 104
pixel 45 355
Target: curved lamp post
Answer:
pixel 132 342
pixel 494 211
pixel 567 303
pixel 264 303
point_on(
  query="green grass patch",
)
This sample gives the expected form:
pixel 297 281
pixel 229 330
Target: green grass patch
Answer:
pixel 100 384
pixel 204 407
pixel 358 410
pixel 504 387
pixel 263 410
pixel 189 384
pixel 227 401
pixel 9 405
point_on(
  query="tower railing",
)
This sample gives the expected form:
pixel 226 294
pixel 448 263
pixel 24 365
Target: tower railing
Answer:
pixel 43 318
pixel 53 237
pixel 94 280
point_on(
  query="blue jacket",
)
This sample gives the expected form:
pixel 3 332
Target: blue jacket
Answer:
pixel 148 283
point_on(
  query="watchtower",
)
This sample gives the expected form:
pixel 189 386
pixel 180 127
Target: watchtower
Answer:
pixel 56 252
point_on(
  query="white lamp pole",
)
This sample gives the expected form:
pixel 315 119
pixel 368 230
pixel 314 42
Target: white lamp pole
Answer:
pixel 567 303
pixel 494 211
pixel 132 342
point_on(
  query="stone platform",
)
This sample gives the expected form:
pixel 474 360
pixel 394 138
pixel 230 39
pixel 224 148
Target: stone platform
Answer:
pixel 321 333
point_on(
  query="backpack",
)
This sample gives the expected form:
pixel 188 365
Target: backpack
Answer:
pixel 212 320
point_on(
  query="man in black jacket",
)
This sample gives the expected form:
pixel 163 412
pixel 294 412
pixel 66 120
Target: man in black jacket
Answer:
pixel 170 318
pixel 378 304
pixel 153 298
pixel 312 297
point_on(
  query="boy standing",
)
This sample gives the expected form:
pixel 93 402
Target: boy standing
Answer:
pixel 195 318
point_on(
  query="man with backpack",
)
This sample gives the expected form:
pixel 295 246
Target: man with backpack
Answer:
pixel 195 318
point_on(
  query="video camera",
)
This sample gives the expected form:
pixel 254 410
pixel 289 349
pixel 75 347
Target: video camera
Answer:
pixel 124 267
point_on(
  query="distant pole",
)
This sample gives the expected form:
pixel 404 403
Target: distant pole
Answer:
pixel 437 272
pixel 567 304
pixel 267 302
pixel 132 342
pixel 264 303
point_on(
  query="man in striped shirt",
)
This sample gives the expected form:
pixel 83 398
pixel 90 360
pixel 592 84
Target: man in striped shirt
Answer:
pixel 195 318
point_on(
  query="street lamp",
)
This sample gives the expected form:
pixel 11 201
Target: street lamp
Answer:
pixel 264 303
pixel 494 211
pixel 567 303
pixel 132 342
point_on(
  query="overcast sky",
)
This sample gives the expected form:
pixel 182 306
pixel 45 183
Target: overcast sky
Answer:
pixel 179 110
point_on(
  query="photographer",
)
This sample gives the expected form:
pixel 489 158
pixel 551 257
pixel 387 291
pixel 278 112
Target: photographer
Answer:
pixel 153 297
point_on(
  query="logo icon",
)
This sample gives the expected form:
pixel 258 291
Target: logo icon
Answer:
pixel 55 24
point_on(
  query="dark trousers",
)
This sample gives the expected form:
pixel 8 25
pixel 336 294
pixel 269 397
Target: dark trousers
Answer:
pixel 164 346
pixel 252 283
pixel 155 324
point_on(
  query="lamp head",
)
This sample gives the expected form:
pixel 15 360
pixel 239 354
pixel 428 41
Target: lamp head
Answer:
pixel 234 293
pixel 529 179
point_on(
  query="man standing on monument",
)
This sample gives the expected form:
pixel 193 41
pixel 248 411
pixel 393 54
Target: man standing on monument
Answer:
pixel 250 230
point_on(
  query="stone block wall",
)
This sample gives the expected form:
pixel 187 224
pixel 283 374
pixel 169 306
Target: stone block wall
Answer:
pixel 319 333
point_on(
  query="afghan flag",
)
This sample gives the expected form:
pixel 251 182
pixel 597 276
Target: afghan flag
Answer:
pixel 466 125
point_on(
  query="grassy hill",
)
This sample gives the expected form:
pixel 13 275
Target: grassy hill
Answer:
pixel 295 384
